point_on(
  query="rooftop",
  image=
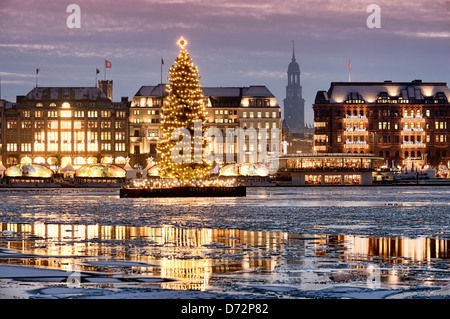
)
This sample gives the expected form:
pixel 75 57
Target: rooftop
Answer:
pixel 340 92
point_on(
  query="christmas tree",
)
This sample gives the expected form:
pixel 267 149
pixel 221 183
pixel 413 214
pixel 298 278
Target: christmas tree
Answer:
pixel 184 115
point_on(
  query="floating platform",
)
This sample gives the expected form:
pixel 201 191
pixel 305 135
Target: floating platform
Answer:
pixel 187 191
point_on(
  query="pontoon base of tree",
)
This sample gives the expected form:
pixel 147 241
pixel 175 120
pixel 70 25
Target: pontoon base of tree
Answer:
pixel 186 191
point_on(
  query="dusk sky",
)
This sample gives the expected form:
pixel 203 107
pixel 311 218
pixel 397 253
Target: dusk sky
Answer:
pixel 233 42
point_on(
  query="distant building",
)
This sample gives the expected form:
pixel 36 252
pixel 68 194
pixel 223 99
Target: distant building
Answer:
pixel 62 125
pixel 228 107
pixel 297 136
pixel 294 104
pixel 406 123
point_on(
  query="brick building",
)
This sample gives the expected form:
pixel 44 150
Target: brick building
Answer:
pixel 406 123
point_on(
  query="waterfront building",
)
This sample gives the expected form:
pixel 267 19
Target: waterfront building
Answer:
pixel 57 126
pixel 405 123
pixel 327 169
pixel 228 108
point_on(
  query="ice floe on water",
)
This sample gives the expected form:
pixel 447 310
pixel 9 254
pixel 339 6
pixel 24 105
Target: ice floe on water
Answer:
pixel 358 243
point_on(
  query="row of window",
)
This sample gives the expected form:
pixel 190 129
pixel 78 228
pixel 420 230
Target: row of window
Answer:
pixel 79 136
pixel 360 126
pixel 65 104
pixel 260 114
pixel 384 139
pixel 78 114
pixel 406 113
pixel 64 125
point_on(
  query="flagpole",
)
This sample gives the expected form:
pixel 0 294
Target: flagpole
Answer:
pixel 349 71
pixel 162 62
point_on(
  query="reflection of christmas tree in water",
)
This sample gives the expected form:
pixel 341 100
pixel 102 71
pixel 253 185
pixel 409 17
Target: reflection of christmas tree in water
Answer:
pixel 184 115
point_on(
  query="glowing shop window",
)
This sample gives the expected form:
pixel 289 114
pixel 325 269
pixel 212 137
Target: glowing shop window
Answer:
pixel 313 179
pixel 66 113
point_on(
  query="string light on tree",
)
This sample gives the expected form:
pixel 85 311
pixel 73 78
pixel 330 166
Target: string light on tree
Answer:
pixel 184 116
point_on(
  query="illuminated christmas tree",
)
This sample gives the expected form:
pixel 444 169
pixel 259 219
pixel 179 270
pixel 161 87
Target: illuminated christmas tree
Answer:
pixel 184 115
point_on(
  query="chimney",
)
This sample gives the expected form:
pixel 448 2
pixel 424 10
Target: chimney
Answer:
pixel 106 87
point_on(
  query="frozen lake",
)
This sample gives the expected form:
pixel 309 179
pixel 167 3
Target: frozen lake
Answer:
pixel 308 242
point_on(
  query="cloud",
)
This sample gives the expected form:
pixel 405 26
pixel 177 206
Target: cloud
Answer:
pixel 429 34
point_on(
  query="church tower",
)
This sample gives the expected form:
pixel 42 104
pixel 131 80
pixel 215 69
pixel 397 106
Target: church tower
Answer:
pixel 294 104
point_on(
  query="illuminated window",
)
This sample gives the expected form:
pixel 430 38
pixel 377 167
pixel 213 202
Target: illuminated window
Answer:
pixel 39 105
pixel 92 124
pixel 66 125
pixel 105 136
pixel 26 124
pixel 66 147
pixel 25 147
pixel 26 114
pixel 79 114
pixel 52 136
pixel 79 146
pixel 92 146
pixel 39 146
pixel 11 124
pixel 105 114
pixel 78 136
pixel 52 114
pixel 66 136
pixel 105 146
pixel 52 147
pixel 11 147
pixel 92 113
pixel 120 136
pixel 120 147
pixel 92 136
pixel 105 124
pixel 52 104
pixel 38 114
pixel 78 125
pixel 65 105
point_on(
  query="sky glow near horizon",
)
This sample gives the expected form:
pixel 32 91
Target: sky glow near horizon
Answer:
pixel 234 43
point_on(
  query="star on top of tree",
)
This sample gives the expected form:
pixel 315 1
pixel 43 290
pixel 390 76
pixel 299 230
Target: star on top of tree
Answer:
pixel 182 42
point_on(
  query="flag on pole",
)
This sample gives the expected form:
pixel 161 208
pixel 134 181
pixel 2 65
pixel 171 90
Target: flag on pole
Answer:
pixel 162 61
pixel 349 69
pixel 37 71
pixel 107 64
pixel 97 71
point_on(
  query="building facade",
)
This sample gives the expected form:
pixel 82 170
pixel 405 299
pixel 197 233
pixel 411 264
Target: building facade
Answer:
pixel 228 108
pixel 65 125
pixel 294 104
pixel 406 123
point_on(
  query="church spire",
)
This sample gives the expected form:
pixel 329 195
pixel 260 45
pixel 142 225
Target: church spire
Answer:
pixel 293 51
